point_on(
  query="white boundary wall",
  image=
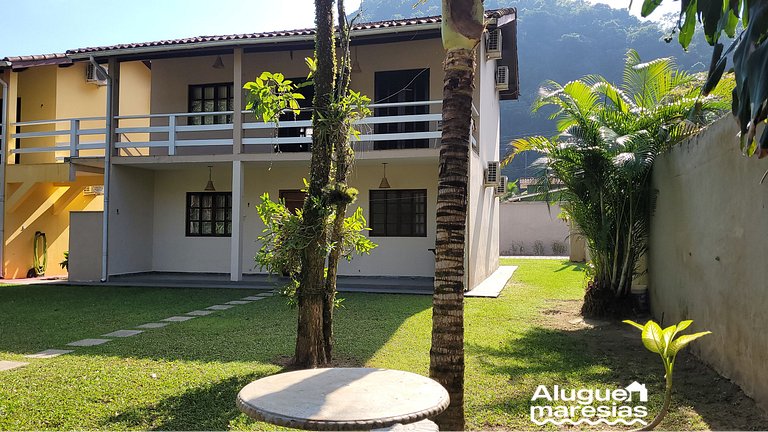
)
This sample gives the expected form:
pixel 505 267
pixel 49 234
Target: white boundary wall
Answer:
pixel 708 250
pixel 524 223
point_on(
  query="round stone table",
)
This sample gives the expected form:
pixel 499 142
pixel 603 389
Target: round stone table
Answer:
pixel 343 398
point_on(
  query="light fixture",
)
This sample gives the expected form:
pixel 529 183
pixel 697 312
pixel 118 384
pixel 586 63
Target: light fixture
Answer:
pixel 384 183
pixel 356 64
pixel 218 64
pixel 209 186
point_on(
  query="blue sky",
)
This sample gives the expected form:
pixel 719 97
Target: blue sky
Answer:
pixel 48 26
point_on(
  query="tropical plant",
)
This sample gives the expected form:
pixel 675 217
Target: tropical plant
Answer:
pixel 667 344
pixel 609 138
pixel 65 264
pixel 749 52
pixel 322 224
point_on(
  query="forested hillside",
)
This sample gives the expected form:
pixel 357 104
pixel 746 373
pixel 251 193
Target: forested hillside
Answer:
pixel 560 40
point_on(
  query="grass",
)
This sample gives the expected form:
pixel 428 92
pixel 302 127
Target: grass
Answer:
pixel 185 376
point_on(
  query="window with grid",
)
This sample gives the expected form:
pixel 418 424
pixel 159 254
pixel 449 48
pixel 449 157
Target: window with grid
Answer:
pixel 211 98
pixel 209 214
pixel 398 213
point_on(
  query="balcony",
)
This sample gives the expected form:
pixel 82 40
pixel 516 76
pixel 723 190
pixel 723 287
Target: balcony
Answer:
pixel 415 125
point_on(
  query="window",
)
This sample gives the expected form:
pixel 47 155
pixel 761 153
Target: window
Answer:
pixel 294 199
pixel 211 98
pixel 399 213
pixel 209 214
pixel 401 86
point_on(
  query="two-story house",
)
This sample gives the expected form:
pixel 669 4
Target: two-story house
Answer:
pixel 182 179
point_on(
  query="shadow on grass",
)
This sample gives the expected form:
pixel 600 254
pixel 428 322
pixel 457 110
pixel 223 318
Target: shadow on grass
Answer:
pixel 573 266
pixel 211 407
pixel 613 356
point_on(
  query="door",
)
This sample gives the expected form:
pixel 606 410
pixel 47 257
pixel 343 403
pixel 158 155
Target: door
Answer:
pixel 409 85
pixel 305 114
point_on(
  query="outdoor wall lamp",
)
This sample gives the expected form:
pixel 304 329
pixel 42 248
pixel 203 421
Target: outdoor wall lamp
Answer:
pixel 218 64
pixel 384 182
pixel 209 186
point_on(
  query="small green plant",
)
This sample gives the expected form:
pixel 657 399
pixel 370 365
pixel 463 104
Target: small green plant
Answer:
pixel 65 264
pixel 667 344
pixel 538 248
pixel 558 248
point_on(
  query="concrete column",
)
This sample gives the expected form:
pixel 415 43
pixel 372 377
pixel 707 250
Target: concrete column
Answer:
pixel 237 118
pixel 236 257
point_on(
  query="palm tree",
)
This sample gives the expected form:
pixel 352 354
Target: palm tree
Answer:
pixel 602 159
pixel 462 28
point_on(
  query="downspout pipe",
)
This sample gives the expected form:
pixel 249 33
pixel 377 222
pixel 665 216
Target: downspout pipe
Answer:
pixel 3 158
pixel 108 146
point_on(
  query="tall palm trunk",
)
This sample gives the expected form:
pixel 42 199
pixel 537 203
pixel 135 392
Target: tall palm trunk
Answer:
pixel 310 343
pixel 462 28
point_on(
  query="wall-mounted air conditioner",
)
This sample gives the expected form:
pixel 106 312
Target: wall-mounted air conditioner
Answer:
pixel 492 174
pixel 502 78
pixel 501 188
pixel 91 77
pixel 493 44
pixel 93 190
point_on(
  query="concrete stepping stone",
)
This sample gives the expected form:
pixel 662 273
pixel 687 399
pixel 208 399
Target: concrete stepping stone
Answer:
pixel 152 325
pixel 267 294
pixel 220 307
pixel 123 333
pixel 200 312
pixel 8 365
pixel 253 298
pixel 178 318
pixel 49 353
pixel 88 342
pixel 237 302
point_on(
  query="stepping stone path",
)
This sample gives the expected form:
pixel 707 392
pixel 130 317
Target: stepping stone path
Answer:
pixel 88 342
pixel 8 365
pixel 123 333
pixel 178 318
pixel 200 312
pixel 49 353
pixel 152 325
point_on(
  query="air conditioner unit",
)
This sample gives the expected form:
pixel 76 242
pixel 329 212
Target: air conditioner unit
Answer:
pixel 492 174
pixel 493 44
pixel 91 77
pixel 93 190
pixel 501 188
pixel 502 78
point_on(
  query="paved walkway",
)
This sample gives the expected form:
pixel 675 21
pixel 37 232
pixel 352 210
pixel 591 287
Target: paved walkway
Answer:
pixel 491 287
pixel 125 333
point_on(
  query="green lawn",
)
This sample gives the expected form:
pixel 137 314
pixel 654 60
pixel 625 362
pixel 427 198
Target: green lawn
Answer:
pixel 185 376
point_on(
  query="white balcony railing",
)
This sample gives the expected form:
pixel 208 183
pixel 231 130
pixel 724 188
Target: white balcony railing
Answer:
pixel 174 134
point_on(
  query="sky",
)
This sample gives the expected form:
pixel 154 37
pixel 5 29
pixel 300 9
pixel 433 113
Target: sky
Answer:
pixel 50 26
pixel 667 6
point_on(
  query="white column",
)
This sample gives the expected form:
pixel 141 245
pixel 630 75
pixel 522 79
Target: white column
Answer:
pixel 237 117
pixel 236 258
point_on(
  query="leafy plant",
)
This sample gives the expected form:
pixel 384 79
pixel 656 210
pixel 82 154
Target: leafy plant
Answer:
pixel 538 247
pixel 284 238
pixel 558 248
pixel 65 264
pixel 600 163
pixel 749 51
pixel 667 344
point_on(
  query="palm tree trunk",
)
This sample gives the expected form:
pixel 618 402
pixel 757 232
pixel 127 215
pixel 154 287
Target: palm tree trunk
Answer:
pixel 447 352
pixel 310 343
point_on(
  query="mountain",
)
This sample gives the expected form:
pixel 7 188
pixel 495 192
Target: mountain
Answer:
pixel 559 40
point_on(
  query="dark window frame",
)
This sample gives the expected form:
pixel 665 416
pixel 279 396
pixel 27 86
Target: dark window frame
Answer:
pixel 411 223
pixel 228 98
pixel 200 220
pixel 290 198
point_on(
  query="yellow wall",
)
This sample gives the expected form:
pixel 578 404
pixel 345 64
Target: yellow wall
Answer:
pixel 52 92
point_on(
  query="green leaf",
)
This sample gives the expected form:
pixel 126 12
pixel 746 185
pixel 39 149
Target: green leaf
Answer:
pixel 653 338
pixel 681 342
pixel 648 7
pixel 682 325
pixel 689 26
pixel 633 324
